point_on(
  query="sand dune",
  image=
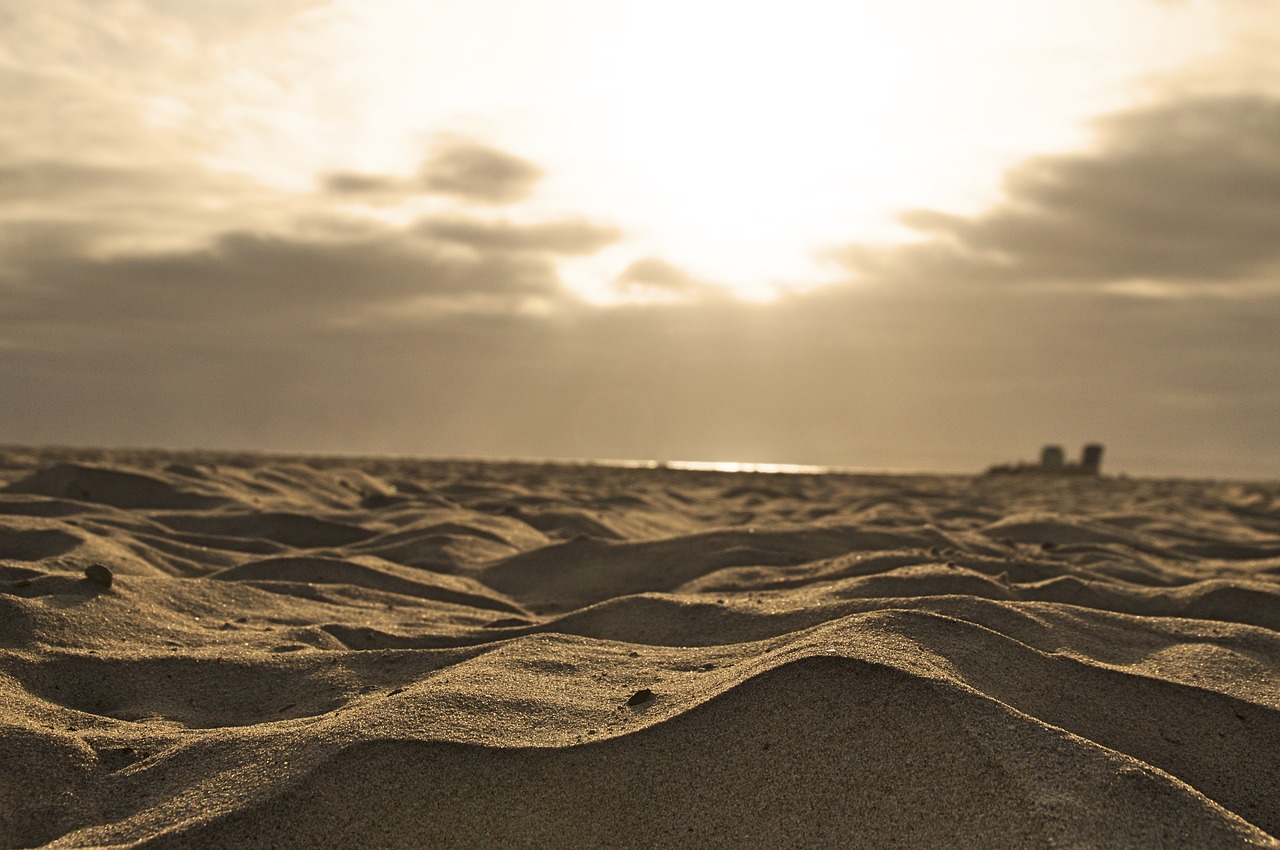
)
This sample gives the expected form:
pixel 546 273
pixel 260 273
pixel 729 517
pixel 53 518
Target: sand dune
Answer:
pixel 338 652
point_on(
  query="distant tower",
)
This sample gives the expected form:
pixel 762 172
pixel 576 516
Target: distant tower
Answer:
pixel 1052 457
pixel 1091 460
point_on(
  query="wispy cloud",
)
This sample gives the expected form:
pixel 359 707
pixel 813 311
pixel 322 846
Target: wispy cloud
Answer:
pixel 566 237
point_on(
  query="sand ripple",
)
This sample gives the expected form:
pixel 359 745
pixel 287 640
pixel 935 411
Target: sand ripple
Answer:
pixel 374 652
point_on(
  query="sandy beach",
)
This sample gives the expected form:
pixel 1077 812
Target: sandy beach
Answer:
pixel 211 650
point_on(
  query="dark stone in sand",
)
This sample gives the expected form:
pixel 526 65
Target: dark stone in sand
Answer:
pixel 98 574
pixel 641 696
pixel 22 582
pixel 382 500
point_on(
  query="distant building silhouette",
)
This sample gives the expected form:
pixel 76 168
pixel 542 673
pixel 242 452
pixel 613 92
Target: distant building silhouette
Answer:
pixel 1053 462
pixel 1091 460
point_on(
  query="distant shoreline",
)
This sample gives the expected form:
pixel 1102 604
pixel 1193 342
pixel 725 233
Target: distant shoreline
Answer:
pixel 258 457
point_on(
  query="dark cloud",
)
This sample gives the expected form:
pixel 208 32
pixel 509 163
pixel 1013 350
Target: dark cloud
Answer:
pixel 57 291
pixel 1187 191
pixel 153 197
pixel 474 172
pixel 47 203
pixel 94 269
pixel 459 168
pixel 566 237
pixel 656 273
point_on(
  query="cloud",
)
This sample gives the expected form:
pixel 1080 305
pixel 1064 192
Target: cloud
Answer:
pixel 102 255
pixel 458 167
pixel 357 183
pixel 57 207
pixel 1180 192
pixel 474 172
pixel 568 237
pixel 58 291
pixel 656 273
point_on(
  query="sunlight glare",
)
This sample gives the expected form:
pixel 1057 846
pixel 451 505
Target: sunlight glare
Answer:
pixel 750 134
pixel 734 140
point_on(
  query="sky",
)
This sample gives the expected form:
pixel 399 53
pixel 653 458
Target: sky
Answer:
pixel 912 236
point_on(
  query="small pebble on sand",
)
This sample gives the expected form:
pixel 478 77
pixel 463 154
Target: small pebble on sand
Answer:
pixel 98 574
pixel 640 697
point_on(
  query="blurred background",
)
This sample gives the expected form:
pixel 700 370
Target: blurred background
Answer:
pixel 911 236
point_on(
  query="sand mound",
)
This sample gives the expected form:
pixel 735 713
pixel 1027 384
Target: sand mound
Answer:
pixel 300 653
pixel 118 487
pixel 289 529
pixel 746 769
pixel 374 574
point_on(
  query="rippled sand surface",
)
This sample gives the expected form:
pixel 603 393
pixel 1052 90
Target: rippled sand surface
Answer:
pixel 321 652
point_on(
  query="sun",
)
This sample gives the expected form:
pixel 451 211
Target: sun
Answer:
pixel 749 134
pixel 746 137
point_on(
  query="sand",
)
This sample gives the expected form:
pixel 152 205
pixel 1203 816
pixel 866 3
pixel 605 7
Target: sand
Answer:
pixel 291 652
